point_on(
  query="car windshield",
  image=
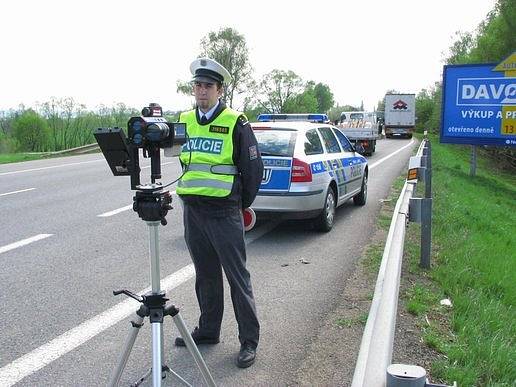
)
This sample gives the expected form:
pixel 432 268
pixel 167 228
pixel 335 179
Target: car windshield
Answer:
pixel 275 142
pixel 356 116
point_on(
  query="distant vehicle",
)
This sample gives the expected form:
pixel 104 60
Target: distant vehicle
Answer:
pixel 360 127
pixel 400 115
pixel 311 168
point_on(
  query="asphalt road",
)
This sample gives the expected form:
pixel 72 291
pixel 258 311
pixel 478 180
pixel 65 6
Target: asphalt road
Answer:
pixel 60 261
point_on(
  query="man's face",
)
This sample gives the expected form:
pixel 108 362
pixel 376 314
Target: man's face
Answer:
pixel 206 94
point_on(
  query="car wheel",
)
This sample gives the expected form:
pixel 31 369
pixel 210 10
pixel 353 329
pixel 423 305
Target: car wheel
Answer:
pixel 326 219
pixel 361 198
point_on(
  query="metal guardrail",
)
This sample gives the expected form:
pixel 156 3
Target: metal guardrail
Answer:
pixel 77 150
pixel 375 353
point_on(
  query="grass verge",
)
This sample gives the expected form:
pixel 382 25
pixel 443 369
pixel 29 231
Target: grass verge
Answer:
pixel 16 157
pixel 474 265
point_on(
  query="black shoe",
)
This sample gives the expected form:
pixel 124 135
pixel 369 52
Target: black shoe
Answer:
pixel 197 338
pixel 246 356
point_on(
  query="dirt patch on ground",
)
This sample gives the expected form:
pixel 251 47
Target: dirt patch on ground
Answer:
pixel 332 355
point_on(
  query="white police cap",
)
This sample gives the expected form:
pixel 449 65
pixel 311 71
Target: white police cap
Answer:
pixel 209 70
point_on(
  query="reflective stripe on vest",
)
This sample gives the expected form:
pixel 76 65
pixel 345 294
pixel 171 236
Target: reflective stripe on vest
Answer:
pixel 208 155
pixel 216 169
pixel 200 183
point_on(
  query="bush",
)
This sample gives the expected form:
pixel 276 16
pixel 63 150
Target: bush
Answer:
pixel 31 131
pixel 7 144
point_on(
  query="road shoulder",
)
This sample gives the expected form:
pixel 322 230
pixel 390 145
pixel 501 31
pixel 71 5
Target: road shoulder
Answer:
pixel 332 355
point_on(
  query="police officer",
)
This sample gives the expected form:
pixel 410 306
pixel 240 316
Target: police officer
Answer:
pixel 223 171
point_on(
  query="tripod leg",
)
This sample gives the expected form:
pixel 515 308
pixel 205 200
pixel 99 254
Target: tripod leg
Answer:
pixel 156 354
pixel 194 351
pixel 117 374
pixel 163 365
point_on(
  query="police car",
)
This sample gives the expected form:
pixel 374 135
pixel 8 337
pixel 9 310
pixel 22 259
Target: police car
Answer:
pixel 310 168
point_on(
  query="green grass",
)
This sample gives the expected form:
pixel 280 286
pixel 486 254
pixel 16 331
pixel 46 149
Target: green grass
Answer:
pixel 373 256
pixel 16 157
pixel 474 264
pixel 420 299
pixel 349 322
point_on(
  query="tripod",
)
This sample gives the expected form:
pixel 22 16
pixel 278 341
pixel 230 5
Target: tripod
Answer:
pixel 152 205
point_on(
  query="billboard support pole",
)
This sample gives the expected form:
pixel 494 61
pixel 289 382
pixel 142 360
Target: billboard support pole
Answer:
pixel 473 161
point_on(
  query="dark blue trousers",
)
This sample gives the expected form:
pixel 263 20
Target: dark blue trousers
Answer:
pixel 215 239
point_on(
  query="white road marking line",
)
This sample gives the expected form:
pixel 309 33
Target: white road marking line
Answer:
pixel 51 167
pixel 122 209
pixel 33 361
pixel 168 162
pixel 66 165
pixel 114 212
pixel 29 363
pixel 15 192
pixel 24 242
pixel 375 164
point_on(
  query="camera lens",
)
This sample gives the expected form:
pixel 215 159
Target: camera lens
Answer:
pixel 157 131
pixel 135 132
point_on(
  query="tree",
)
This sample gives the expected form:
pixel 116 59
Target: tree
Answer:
pixel 460 49
pixel 316 98
pixel 276 88
pixel 306 102
pixel 322 94
pixel 428 110
pixel 6 120
pixel 50 110
pixel 496 38
pixel 229 48
pixel 31 131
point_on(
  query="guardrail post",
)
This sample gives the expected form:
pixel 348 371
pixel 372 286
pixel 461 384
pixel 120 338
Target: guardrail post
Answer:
pixel 426 232
pixel 426 210
pixel 473 161
pixel 427 151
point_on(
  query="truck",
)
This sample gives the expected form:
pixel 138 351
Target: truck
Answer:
pixel 360 127
pixel 400 115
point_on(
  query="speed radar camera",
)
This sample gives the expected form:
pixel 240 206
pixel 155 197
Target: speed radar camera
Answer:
pixel 149 132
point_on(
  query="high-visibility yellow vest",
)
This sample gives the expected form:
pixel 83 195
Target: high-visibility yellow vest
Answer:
pixel 207 156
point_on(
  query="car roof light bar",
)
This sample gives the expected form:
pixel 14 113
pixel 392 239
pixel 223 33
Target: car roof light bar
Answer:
pixel 315 117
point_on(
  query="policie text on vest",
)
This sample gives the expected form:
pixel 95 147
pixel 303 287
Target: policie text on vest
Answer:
pixel 205 145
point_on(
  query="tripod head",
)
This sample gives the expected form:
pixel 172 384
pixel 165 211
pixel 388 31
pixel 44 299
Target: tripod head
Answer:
pixel 152 203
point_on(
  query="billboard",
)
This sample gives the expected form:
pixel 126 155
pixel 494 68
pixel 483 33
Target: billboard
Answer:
pixel 479 104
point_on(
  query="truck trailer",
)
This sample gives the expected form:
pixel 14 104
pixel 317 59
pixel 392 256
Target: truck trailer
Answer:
pixel 400 115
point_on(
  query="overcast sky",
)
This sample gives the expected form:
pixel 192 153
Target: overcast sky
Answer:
pixel 109 51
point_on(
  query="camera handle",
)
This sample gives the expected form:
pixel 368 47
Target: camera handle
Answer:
pixel 153 151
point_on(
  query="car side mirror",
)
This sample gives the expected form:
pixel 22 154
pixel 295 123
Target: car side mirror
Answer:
pixel 359 148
